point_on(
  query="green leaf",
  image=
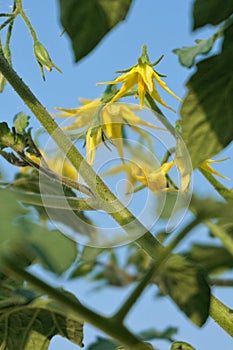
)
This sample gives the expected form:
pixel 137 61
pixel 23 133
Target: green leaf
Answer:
pixel 181 345
pixel 103 343
pixel 32 325
pixel 187 286
pixel 206 114
pixel 187 55
pixel 211 12
pixel 11 212
pixel 21 122
pixel 88 21
pixel 154 334
pixel 213 259
pixel 6 137
pixel 54 250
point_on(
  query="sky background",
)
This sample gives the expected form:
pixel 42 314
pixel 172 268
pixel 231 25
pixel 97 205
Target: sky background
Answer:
pixel 162 25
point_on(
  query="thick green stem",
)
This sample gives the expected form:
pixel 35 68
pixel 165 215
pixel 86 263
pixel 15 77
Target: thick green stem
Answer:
pixel 222 314
pixel 113 329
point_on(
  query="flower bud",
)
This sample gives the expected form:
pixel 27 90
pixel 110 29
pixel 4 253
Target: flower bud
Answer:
pixel 43 58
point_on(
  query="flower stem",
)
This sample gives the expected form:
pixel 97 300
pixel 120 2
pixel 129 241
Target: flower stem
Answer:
pixel 19 7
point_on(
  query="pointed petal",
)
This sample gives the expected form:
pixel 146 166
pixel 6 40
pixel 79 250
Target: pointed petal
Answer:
pixel 163 85
pixel 122 78
pixel 205 165
pixel 146 73
pixel 157 97
pixel 141 90
pixel 134 119
pixel 127 86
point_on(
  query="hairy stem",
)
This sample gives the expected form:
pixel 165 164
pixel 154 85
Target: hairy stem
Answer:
pixel 222 314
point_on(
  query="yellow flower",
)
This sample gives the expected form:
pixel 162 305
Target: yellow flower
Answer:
pixel 207 167
pixel 146 78
pixel 156 180
pixel 56 163
pixel 132 170
pixel 104 122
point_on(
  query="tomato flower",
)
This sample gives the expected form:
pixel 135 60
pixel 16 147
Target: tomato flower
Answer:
pixel 104 122
pixel 145 77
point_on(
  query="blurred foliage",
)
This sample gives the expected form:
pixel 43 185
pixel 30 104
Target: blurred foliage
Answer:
pixel 88 21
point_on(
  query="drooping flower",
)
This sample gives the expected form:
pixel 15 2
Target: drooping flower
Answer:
pixel 145 77
pixel 104 122
pixel 156 180
pixel 207 167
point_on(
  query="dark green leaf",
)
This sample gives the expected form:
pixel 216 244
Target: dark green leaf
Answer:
pixel 213 259
pixel 33 324
pixel 21 122
pixel 211 12
pixel 181 345
pixel 206 114
pixel 187 286
pixel 187 55
pixel 88 21
pixel 103 344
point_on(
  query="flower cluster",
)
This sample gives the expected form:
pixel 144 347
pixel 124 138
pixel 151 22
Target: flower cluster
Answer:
pixel 104 122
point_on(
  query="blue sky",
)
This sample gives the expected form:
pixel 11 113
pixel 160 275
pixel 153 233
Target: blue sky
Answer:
pixel 162 25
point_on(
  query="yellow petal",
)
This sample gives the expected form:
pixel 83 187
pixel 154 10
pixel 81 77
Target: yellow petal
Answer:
pixel 141 90
pixel 157 97
pixel 146 72
pixel 127 86
pixel 67 112
pixel 122 78
pixel 163 85
pixel 184 171
pixel 92 142
pixel 205 165
pixel 134 119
